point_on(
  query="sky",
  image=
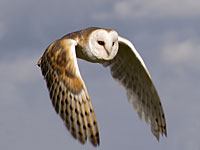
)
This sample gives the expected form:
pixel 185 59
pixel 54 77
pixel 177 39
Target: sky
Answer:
pixel 165 33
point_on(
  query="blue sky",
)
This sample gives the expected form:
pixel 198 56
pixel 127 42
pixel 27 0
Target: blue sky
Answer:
pixel 166 34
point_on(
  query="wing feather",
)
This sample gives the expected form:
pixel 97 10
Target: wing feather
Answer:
pixel 67 90
pixel 129 69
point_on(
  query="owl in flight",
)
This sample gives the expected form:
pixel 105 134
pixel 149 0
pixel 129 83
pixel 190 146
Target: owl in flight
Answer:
pixel 68 92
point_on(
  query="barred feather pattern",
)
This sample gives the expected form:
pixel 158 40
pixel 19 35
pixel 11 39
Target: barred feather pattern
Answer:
pixel 68 93
pixel 129 71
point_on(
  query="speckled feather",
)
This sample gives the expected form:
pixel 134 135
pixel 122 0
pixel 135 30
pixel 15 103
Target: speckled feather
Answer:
pixel 67 91
pixel 129 71
pixel 69 94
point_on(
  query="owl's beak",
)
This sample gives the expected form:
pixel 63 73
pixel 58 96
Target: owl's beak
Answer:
pixel 107 51
pixel 108 48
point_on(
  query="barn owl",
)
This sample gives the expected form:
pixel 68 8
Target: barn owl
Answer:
pixel 68 92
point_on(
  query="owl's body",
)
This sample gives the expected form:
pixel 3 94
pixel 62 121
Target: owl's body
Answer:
pixel 67 89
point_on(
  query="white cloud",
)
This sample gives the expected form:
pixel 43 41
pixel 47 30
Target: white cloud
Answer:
pixel 19 69
pixel 182 52
pixel 129 9
pixel 14 74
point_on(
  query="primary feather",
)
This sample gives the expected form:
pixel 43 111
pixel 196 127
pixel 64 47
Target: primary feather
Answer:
pixel 129 69
pixel 67 90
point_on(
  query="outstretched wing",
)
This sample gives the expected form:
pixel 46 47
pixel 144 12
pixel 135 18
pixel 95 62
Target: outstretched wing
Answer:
pixel 67 90
pixel 129 69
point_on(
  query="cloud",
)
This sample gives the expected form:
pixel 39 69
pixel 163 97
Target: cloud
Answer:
pixel 15 74
pixel 32 23
pixel 129 9
pixel 181 53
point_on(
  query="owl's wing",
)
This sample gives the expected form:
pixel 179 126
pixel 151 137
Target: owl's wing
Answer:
pixel 67 90
pixel 129 69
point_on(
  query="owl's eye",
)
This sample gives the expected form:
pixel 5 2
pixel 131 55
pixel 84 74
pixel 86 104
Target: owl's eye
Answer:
pixel 102 43
pixel 113 43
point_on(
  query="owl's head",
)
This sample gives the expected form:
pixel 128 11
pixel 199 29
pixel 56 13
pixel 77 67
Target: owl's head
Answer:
pixel 102 44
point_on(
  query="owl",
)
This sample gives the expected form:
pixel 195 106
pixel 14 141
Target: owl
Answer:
pixel 68 92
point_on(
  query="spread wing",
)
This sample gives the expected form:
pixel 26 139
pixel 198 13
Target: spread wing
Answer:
pixel 129 69
pixel 67 90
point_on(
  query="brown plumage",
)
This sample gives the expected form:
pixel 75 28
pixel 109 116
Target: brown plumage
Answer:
pixel 68 92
